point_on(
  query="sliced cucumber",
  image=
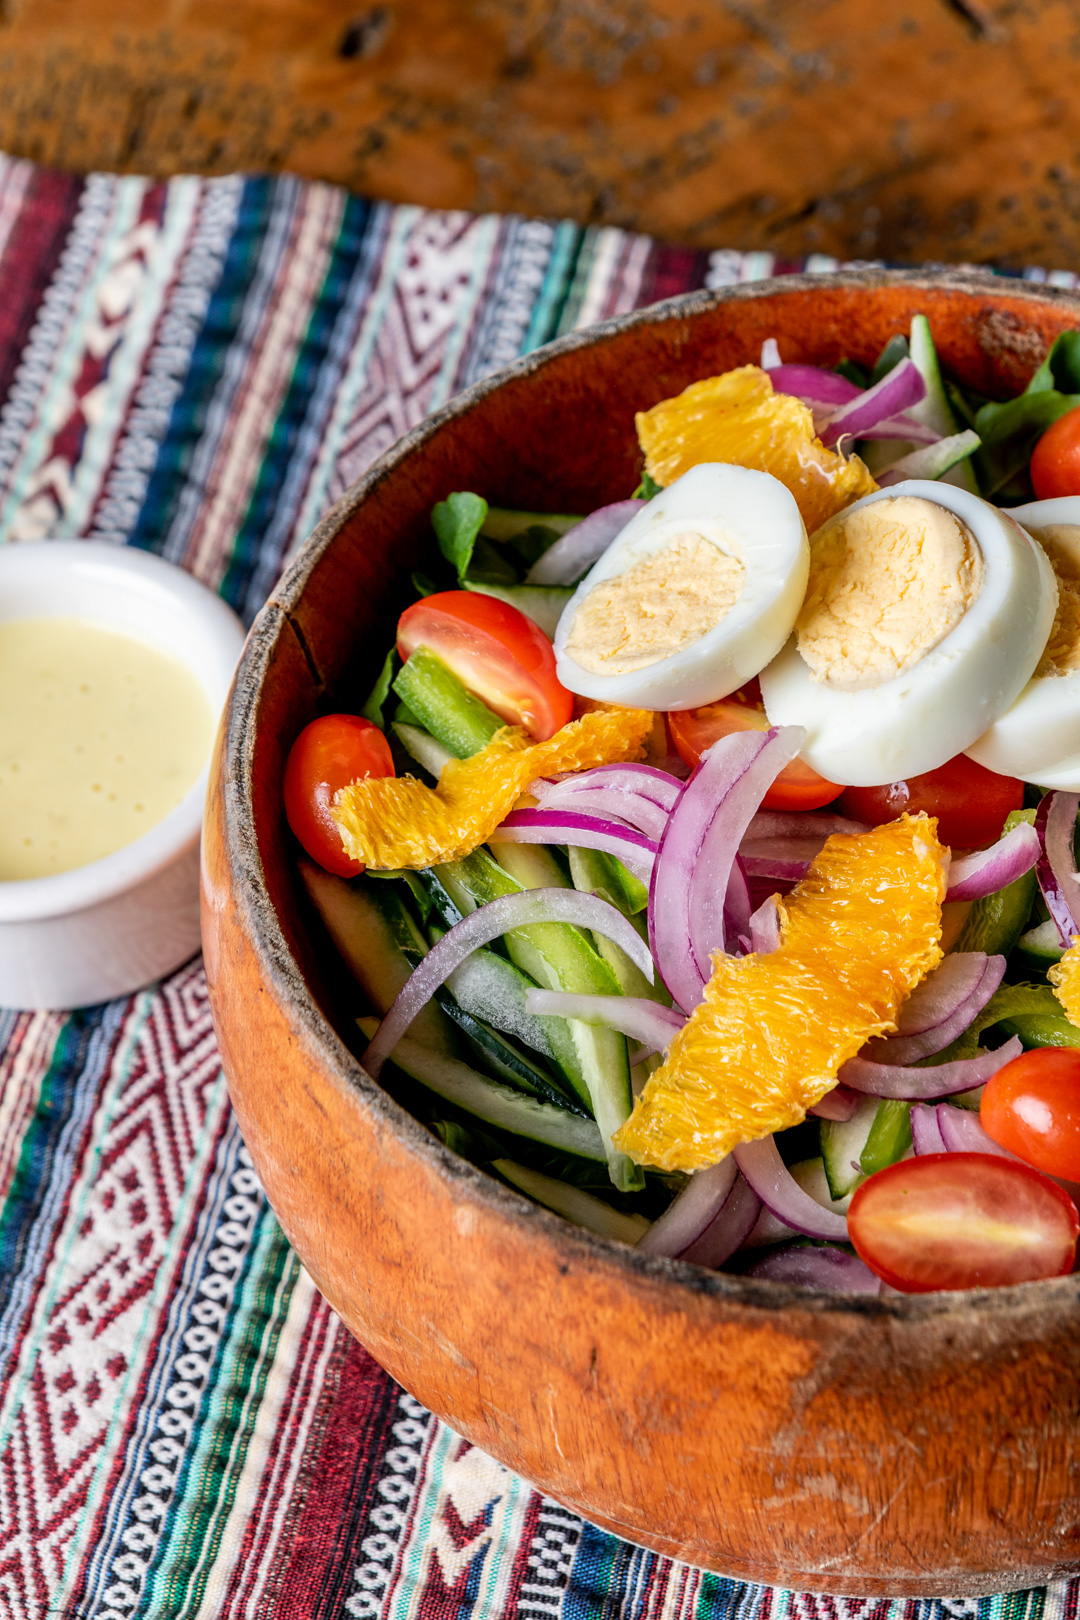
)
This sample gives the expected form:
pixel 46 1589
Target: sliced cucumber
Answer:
pixel 933 460
pixel 353 916
pixel 441 703
pixel 558 957
pixel 505 1058
pixel 494 1103
pixel 423 747
pixel 1043 944
pixel 503 524
pixel 811 1177
pixel 935 410
pixel 572 1204
pixel 842 1144
pixel 594 872
pixel 543 604
pixel 889 1138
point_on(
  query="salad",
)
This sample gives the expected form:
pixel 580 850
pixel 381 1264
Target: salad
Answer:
pixel 705 864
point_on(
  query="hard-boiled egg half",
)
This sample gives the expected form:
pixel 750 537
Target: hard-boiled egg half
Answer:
pixel 692 598
pixel 926 613
pixel 1038 738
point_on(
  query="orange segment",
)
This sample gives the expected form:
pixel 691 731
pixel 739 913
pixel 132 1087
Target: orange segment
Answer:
pixel 1065 978
pixel 738 418
pixel 856 936
pixel 391 821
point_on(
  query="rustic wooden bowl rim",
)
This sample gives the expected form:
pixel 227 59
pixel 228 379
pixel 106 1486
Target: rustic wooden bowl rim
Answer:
pixel 309 1024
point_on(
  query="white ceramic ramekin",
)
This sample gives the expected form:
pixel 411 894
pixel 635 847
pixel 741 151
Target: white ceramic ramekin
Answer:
pixel 104 929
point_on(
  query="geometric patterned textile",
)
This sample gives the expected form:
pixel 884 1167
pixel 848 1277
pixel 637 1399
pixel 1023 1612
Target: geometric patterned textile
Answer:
pixel 199 368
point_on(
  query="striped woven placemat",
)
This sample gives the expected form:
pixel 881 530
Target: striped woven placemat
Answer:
pixel 200 368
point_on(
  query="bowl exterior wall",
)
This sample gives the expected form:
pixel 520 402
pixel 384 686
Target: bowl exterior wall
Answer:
pixel 925 1446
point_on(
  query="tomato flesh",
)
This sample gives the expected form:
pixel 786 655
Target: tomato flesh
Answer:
pixel 1055 461
pixel 1032 1107
pixel 329 754
pixel 500 655
pixel 962 1220
pixel 798 787
pixel 969 801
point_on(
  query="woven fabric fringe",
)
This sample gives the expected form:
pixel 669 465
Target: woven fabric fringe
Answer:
pixel 200 368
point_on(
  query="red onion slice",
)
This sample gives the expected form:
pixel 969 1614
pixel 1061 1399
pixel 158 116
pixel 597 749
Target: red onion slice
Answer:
pixel 961 1132
pixel 989 870
pixel 782 869
pixel 925 1131
pixel 692 1211
pixel 729 1228
pixel 942 1080
pixel 1055 823
pixel 765 927
pixel 737 908
pixel 636 1016
pixel 607 804
pixel 768 1175
pixel 838 1104
pixel 811 825
pixel 482 926
pixel 697 852
pixel 814 386
pixel 568 827
pixel 939 1009
pixel 835 1271
pixel 638 781
pixel 902 387
pixel 574 553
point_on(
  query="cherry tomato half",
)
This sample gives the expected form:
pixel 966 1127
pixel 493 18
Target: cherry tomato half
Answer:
pixel 798 787
pixel 962 1220
pixel 969 801
pixel 494 650
pixel 328 755
pixel 1055 461
pixel 1032 1107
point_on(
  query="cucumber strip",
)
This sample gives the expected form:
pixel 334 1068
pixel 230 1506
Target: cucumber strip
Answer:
pixel 558 957
pixel 1043 943
pixel 935 410
pixel 453 715
pixel 505 1059
pixel 543 604
pixel 842 1144
pixel 572 1204
pixel 494 1103
pixel 933 460
pixel 366 942
pixel 890 1136
pixel 595 872
pixel 422 746
pixel 811 1177
pixel 503 524
pixel 493 989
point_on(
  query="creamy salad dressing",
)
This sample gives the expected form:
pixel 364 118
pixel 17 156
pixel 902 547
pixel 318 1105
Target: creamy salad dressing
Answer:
pixel 100 737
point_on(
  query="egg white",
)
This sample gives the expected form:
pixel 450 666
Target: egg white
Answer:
pixel 938 707
pixel 745 514
pixel 1038 738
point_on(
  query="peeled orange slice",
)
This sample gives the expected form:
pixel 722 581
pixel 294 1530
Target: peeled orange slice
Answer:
pixel 392 821
pixel 738 418
pixel 1065 978
pixel 856 936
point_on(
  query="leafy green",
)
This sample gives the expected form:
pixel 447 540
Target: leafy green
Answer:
pixel 423 584
pixel 646 489
pixel 891 355
pixel 457 522
pixel 854 374
pixel 1010 431
pixel 373 708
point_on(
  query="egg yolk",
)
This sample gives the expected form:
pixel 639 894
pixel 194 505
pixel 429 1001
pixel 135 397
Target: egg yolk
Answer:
pixel 656 608
pixel 888 582
pixel 1061 542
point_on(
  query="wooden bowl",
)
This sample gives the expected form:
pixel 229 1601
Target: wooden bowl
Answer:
pixel 925 1445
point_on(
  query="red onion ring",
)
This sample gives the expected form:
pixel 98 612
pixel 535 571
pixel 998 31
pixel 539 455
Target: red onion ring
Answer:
pixel 925 1131
pixel 610 805
pixel 898 389
pixel 989 870
pixel 643 1020
pixel 568 827
pixel 1055 823
pixel 692 1211
pixel 942 1080
pixel 693 868
pixel 765 927
pixel 490 922
pixel 833 1270
pixel 939 1009
pixel 768 1175
pixel 961 1132
pixel 737 908
pixel 574 553
pixel 638 781
pixel 729 1228
pixel 816 825
pixel 838 1104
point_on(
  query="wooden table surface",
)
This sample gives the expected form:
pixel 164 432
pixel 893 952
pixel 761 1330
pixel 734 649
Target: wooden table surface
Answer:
pixel 941 129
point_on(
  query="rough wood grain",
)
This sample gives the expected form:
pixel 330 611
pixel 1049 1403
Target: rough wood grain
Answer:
pixel 941 129
pixel 924 1445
